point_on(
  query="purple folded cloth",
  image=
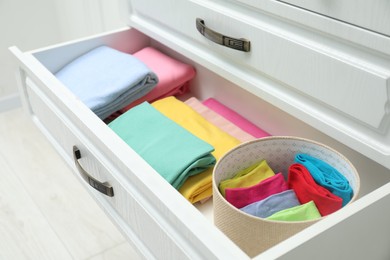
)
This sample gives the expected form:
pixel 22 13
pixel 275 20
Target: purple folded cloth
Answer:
pixel 272 204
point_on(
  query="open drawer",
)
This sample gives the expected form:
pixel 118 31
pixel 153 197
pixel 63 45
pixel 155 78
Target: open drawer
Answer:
pixel 154 217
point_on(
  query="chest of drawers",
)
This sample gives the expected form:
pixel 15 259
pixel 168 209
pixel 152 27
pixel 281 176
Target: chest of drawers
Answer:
pixel 301 73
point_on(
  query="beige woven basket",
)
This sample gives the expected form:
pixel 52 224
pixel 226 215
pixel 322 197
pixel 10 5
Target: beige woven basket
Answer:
pixel 252 234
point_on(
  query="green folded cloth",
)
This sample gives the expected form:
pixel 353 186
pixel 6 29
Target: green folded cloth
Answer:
pixel 307 211
pixel 171 150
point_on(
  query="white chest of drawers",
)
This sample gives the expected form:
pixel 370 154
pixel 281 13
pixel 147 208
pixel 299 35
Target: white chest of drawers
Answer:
pixel 305 74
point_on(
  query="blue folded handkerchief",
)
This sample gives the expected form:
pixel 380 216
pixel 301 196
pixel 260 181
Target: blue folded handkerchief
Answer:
pixel 327 176
pixel 106 80
pixel 272 204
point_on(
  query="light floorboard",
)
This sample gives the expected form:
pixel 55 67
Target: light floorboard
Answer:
pixel 41 183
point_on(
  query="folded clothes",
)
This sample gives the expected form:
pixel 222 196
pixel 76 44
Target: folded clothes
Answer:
pixel 218 120
pixel 240 197
pixel 171 150
pixel 247 177
pixel 235 118
pixel 307 211
pixel 306 189
pixel 272 204
pixel 106 79
pixel 327 176
pixel 173 75
pixel 199 186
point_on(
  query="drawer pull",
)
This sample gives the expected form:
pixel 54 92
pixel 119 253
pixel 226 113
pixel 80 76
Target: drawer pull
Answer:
pixel 103 187
pixel 234 43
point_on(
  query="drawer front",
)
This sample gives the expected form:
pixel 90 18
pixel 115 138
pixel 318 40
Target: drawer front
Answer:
pixel 122 207
pixel 342 88
pixel 372 15
pixel 337 75
pixel 154 216
pixel 364 235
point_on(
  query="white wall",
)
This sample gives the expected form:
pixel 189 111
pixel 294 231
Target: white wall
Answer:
pixel 27 24
pixel 78 18
pixel 33 24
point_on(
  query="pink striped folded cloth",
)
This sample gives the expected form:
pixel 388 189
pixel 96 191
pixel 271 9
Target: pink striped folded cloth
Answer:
pixel 235 118
pixel 241 197
pixel 173 75
pixel 218 120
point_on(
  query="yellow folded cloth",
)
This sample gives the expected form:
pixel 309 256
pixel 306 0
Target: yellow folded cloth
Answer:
pixel 247 177
pixel 197 187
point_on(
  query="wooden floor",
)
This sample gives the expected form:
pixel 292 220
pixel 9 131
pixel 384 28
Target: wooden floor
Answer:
pixel 44 211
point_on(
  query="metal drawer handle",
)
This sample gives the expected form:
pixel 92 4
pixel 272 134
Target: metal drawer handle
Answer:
pixel 103 187
pixel 234 43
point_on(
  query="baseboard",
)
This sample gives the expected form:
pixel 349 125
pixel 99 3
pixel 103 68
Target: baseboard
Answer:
pixel 9 102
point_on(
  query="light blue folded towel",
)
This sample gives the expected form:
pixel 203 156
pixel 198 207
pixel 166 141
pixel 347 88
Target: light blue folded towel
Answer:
pixel 106 80
pixel 272 204
pixel 326 176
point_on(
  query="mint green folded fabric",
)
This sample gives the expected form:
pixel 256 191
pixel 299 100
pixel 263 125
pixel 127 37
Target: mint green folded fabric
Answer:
pixel 171 150
pixel 307 211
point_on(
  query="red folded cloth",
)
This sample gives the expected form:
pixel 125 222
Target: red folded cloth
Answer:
pixel 306 189
pixel 240 197
pixel 235 118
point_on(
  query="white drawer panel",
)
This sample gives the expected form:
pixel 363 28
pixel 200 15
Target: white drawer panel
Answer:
pixel 341 88
pixel 372 15
pixel 339 76
pixel 153 215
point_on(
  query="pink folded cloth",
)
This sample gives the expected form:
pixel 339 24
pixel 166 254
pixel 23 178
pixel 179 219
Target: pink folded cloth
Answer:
pixel 235 118
pixel 218 120
pixel 241 197
pixel 173 75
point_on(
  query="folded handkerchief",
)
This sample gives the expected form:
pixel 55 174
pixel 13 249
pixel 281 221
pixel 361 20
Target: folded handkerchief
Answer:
pixel 247 177
pixel 235 118
pixel 173 75
pixel 106 79
pixel 306 189
pixel 240 197
pixel 307 211
pixel 272 204
pixel 199 186
pixel 327 176
pixel 218 120
pixel 171 150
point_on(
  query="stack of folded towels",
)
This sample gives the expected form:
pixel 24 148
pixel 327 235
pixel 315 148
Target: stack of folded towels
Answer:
pixel 313 189
pixel 106 79
pixel 145 128
pixel 109 81
pixel 135 95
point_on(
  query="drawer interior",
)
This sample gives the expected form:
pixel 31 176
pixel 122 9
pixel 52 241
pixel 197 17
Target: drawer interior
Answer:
pixel 208 84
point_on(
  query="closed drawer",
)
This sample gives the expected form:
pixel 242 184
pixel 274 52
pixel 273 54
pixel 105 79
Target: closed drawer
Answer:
pixel 153 215
pixel 339 86
pixel 370 15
